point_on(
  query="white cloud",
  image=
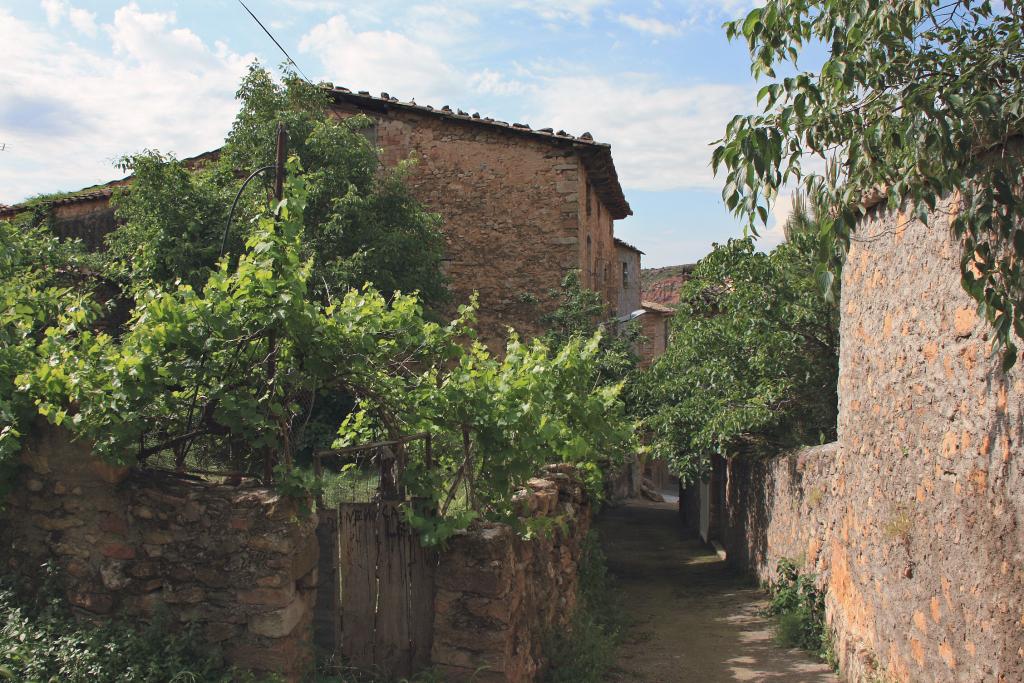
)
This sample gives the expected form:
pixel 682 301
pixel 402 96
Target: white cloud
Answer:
pixel 438 24
pixel 83 21
pixel 653 26
pixel 69 111
pixel 560 10
pixel 660 134
pixel 490 82
pixel 773 234
pixel 382 61
pixel 54 10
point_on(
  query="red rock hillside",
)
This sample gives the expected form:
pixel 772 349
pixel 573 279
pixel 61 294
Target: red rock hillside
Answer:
pixel 662 285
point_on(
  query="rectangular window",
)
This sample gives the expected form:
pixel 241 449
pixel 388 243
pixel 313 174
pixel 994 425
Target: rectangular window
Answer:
pixel 589 208
pixel 625 274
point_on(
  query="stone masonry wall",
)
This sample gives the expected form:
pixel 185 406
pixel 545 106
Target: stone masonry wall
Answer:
pixel 915 521
pixel 511 207
pixel 236 562
pixel 599 261
pixel 498 595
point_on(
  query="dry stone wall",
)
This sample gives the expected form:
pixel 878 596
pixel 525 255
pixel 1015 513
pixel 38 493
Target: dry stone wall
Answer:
pixel 915 521
pixel 499 595
pixel 237 563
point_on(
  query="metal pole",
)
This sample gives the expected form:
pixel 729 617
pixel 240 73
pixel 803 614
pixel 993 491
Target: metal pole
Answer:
pixel 281 153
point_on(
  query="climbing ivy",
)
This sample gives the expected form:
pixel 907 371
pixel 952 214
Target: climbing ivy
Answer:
pixel 917 99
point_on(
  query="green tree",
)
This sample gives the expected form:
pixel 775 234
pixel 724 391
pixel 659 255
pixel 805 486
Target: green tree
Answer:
pixel 582 312
pixel 920 99
pixel 40 277
pixel 362 223
pixel 752 363
pixel 230 369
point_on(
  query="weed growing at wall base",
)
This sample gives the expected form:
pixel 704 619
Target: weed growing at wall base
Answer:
pixel 41 641
pixel 799 606
pixel 585 651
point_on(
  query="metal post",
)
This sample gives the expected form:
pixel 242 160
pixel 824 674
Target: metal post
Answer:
pixel 281 153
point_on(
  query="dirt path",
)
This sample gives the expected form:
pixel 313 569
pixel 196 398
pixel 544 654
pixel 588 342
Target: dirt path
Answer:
pixel 690 618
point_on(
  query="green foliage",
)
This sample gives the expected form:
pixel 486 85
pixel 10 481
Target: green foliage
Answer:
pixel 800 608
pixel 38 276
pixel 230 370
pixel 582 312
pixel 752 362
pixel 919 98
pixel 231 366
pixel 497 421
pixel 585 651
pixel 361 222
pixel 41 641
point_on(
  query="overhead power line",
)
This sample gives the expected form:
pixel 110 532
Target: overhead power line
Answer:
pixel 279 46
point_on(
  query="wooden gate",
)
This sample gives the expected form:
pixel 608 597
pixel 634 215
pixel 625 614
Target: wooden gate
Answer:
pixel 376 600
pixel 387 590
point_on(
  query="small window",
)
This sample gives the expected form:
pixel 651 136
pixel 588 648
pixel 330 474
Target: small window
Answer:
pixel 589 207
pixel 625 274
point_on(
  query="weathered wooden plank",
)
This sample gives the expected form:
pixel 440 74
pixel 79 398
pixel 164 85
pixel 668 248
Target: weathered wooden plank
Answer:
pixel 359 585
pixel 327 615
pixel 392 650
pixel 422 565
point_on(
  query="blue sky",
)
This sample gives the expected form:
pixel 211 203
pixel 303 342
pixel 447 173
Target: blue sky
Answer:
pixel 84 82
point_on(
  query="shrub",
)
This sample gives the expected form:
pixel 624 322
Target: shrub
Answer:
pixel 41 641
pixel 800 608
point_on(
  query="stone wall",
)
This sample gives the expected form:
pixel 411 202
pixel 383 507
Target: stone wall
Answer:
pixel 628 278
pixel 515 211
pixel 498 595
pixel 235 562
pixel 915 522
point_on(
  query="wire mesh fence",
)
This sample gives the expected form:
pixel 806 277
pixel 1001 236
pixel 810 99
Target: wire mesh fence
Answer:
pixel 368 472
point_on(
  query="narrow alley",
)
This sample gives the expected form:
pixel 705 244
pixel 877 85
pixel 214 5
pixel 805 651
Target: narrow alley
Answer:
pixel 689 617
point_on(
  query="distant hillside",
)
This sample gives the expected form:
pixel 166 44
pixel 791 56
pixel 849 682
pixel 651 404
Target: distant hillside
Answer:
pixel 662 285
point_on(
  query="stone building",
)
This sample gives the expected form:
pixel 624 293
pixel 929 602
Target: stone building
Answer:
pixel 628 294
pixel 521 207
pixel 655 325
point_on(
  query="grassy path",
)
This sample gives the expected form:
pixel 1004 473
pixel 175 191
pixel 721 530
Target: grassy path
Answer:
pixel 690 618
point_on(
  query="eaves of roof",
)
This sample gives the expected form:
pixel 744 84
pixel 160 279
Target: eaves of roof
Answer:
pixel 105 191
pixel 627 245
pixel 596 156
pixel 657 308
